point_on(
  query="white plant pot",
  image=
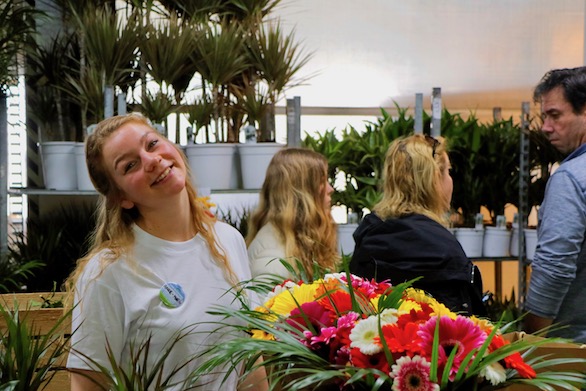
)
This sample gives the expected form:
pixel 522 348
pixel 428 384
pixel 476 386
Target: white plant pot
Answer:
pixel 514 247
pixel 254 160
pixel 496 242
pixel 59 166
pixel 530 243
pixel 471 240
pixel 213 166
pixel 345 238
pixel 83 177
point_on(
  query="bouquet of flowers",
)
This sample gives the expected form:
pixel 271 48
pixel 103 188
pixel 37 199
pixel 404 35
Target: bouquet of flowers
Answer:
pixel 343 332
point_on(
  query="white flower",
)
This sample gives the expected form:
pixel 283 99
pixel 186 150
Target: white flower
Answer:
pixel 494 373
pixel 334 276
pixel 363 336
pixel 288 285
pixel 389 316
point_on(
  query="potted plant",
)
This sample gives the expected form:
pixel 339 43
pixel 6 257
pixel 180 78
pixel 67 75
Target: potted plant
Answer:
pixel 34 342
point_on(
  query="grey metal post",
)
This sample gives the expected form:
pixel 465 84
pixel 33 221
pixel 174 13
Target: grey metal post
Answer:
pixel 108 101
pixel 3 174
pixel 523 198
pixel 497 114
pixel 294 121
pixel 418 128
pixel 121 103
pixel 436 112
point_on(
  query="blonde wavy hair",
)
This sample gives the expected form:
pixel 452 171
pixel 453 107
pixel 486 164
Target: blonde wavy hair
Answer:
pixel 292 200
pixel 411 179
pixel 113 230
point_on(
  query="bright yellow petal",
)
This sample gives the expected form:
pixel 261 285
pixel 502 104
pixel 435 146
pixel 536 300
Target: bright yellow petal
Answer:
pixel 287 301
pixel 259 334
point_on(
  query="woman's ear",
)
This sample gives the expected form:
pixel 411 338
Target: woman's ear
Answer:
pixel 126 204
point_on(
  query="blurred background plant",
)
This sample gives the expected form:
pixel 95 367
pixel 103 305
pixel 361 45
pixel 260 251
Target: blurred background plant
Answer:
pixel 50 247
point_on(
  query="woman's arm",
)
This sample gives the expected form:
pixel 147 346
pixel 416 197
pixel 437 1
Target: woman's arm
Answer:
pixel 255 381
pixel 84 380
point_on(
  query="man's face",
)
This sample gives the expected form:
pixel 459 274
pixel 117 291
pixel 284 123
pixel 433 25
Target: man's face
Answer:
pixel 565 129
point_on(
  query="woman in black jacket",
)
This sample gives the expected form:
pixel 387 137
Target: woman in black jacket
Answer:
pixel 406 237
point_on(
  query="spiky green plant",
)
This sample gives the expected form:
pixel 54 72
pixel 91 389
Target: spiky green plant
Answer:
pixel 220 59
pixel 110 45
pixel 16 27
pixel 14 273
pixel 29 360
pixel 139 374
pixel 56 240
pixel 199 114
pixel 276 58
pixel 157 106
pixel 47 70
pixel 167 56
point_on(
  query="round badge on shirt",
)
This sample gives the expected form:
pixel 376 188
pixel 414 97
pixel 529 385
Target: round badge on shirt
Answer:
pixel 172 295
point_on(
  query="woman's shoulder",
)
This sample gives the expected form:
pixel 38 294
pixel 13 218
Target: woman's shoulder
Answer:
pixel 267 237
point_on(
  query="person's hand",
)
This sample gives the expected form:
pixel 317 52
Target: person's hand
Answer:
pixel 533 323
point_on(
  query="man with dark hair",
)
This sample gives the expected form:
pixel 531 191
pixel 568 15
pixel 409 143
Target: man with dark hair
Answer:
pixel 558 278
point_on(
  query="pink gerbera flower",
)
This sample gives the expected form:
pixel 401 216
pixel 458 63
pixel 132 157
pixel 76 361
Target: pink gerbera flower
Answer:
pixel 461 334
pixel 412 374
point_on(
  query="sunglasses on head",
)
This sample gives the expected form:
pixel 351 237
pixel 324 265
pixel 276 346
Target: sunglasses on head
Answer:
pixel 433 143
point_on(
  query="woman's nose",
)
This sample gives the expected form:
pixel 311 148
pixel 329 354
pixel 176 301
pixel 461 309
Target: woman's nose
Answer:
pixel 150 161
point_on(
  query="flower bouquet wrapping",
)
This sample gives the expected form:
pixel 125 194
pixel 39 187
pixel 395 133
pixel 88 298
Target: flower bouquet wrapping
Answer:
pixel 343 332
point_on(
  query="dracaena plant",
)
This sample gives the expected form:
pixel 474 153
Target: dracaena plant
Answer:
pixel 29 360
pixel 140 373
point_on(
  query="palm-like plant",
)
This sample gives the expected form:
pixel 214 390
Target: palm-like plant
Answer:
pixel 199 114
pixel 14 272
pixel 47 71
pixel 157 107
pixel 276 58
pixel 220 59
pixel 108 46
pixel 16 26
pixel 167 56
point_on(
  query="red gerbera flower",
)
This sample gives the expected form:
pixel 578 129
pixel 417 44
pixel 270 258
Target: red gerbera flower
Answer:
pixel 338 302
pixel 376 361
pixel 415 316
pixel 403 339
pixel 310 315
pixel 514 360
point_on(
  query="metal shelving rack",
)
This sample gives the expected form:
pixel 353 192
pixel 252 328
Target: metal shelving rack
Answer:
pixel 523 207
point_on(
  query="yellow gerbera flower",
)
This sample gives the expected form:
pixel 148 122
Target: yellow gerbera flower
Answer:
pixel 259 334
pixel 288 300
pixel 422 297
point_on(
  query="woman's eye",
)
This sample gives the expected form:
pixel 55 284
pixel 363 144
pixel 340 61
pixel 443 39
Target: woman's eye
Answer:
pixel 128 167
pixel 152 143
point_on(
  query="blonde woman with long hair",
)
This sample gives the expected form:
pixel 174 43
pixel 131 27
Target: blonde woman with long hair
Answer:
pixel 158 261
pixel 293 220
pixel 406 237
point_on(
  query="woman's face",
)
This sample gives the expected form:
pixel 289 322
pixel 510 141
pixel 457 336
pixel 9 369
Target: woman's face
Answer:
pixel 328 190
pixel 145 166
pixel 446 182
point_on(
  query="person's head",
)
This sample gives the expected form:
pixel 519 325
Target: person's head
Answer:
pixel 416 178
pixel 300 171
pixel 296 198
pixel 128 160
pixel 562 94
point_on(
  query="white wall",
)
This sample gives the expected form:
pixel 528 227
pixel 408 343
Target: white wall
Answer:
pixel 482 53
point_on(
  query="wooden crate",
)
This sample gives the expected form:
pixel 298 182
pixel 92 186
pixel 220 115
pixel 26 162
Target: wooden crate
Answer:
pixel 41 322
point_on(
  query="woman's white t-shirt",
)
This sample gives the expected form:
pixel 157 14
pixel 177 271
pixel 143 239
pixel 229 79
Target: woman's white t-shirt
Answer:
pixel 121 306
